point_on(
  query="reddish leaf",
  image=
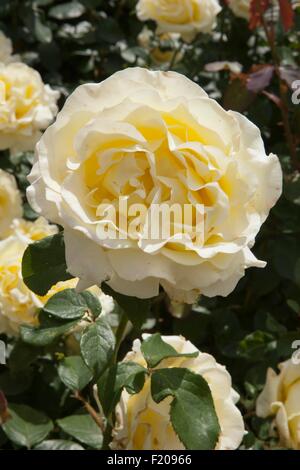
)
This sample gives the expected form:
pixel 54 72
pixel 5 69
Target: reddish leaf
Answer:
pixel 257 9
pixel 261 79
pixel 274 98
pixel 286 14
pixel 4 415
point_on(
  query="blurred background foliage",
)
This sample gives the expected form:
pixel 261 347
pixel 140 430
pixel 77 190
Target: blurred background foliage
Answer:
pixel 80 41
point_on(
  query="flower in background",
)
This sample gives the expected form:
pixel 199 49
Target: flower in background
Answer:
pixel 27 106
pixel 154 138
pixel 281 398
pixel 240 8
pixel 10 203
pixel 186 17
pixel 162 48
pixel 143 424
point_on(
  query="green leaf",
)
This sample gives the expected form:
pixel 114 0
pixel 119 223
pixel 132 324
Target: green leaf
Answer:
pixel 192 410
pixel 67 11
pixel 154 350
pixel 27 427
pixel 44 264
pixel 129 375
pixel 83 428
pixel 58 444
pixel 97 346
pixel 67 305
pixel 49 329
pixel 42 32
pixel 92 302
pixel 74 373
pixel 137 310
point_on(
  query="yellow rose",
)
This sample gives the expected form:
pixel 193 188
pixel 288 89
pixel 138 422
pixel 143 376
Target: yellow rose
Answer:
pixel 27 106
pixel 186 17
pixel 281 398
pixel 154 138
pixel 240 8
pixel 143 424
pixel 10 203
pixel 18 304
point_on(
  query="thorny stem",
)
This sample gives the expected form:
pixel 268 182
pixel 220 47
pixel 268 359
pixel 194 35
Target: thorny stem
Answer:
pixel 282 91
pixel 92 412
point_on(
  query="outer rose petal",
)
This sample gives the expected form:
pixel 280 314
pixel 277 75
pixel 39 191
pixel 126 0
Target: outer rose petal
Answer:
pixel 10 203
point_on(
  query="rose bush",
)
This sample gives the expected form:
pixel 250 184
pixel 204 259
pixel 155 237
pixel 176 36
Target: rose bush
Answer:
pixel 200 121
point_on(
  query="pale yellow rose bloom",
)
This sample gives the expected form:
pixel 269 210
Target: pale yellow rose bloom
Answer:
pixel 240 8
pixel 281 398
pixel 10 203
pixel 143 424
pixel 154 138
pixel 18 305
pixel 186 17
pixel 27 106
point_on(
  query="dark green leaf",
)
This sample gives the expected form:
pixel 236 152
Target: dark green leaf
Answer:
pixel 26 427
pixel 67 305
pixel 74 373
pixel 129 375
pixel 154 350
pixel 97 346
pixel 44 264
pixel 83 428
pixel 50 328
pixel 192 410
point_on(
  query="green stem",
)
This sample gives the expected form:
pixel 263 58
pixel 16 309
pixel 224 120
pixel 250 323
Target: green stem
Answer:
pixel 119 338
pixel 175 54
